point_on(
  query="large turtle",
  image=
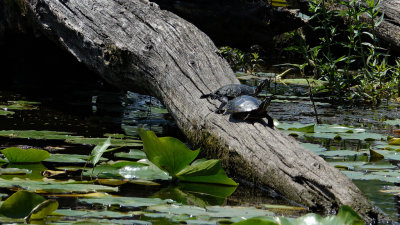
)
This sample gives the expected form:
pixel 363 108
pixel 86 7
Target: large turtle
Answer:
pixel 247 107
pixel 231 91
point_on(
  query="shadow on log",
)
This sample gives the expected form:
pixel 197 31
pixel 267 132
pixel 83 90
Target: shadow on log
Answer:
pixel 136 46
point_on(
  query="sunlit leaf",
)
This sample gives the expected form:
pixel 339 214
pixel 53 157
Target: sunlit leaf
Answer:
pixel 132 154
pixel 99 141
pixel 49 186
pixel 168 153
pixel 18 155
pixel 20 204
pixel 98 151
pixel 258 221
pixel 69 158
pixel 35 134
pixel 394 141
pixel 392 122
pixel 306 129
pixel 43 209
pixel 209 171
pixel 6 112
pixel 125 201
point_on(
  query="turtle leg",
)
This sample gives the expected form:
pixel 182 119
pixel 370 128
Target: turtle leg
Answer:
pixel 224 101
pixel 270 121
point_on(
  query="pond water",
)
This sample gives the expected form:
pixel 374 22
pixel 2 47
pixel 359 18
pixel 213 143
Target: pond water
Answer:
pixel 58 94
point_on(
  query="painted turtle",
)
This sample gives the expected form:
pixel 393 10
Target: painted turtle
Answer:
pixel 247 107
pixel 231 91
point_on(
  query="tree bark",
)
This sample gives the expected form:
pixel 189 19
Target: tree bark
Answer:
pixel 389 29
pixel 136 46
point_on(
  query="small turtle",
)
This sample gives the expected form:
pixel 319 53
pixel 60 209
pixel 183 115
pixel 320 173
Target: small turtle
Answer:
pixel 231 91
pixel 247 107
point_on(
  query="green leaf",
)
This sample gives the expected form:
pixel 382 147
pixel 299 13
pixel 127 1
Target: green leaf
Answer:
pixel 51 186
pixel 18 155
pixel 126 201
pixel 98 151
pixel 347 215
pixel 168 153
pixel 99 141
pixel 43 209
pixel 257 221
pixel 306 129
pixel 209 171
pixel 132 154
pixel 35 134
pixel 20 204
pixel 6 112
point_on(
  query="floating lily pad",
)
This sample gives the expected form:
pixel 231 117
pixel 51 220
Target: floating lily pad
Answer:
pixel 6 112
pixel 316 148
pixel 18 155
pixel 99 141
pixel 36 134
pixel 341 153
pixel 125 201
pixel 392 122
pixel 132 154
pixel 14 171
pixel 92 214
pixel 211 211
pixel 69 158
pixel 54 187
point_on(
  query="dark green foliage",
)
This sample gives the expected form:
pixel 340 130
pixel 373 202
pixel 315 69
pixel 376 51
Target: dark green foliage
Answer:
pixel 347 55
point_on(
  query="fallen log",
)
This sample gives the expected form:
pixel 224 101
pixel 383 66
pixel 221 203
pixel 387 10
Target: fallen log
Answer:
pixel 136 46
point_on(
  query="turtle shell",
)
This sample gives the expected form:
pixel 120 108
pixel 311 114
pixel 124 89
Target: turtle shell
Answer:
pixel 244 103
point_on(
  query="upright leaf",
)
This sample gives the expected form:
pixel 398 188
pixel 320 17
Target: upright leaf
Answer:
pixel 209 171
pixel 98 151
pixel 168 153
pixel 20 204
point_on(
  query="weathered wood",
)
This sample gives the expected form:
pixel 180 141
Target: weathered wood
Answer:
pixel 136 46
pixel 389 29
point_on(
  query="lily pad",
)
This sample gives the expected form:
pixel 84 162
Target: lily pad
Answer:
pixel 211 211
pixel 132 154
pixel 6 112
pixel 43 209
pixel 36 134
pixel 69 158
pixel 168 153
pixel 125 201
pixel 392 122
pixel 18 155
pixel 209 171
pixel 51 186
pixel 99 141
pixel 20 204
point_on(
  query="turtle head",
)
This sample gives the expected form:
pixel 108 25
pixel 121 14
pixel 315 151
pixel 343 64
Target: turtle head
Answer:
pixel 263 84
pixel 267 101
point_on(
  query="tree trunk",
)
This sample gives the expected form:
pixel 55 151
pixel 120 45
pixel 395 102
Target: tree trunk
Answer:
pixel 136 46
pixel 389 29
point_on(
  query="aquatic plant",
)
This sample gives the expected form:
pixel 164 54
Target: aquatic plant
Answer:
pixel 174 157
